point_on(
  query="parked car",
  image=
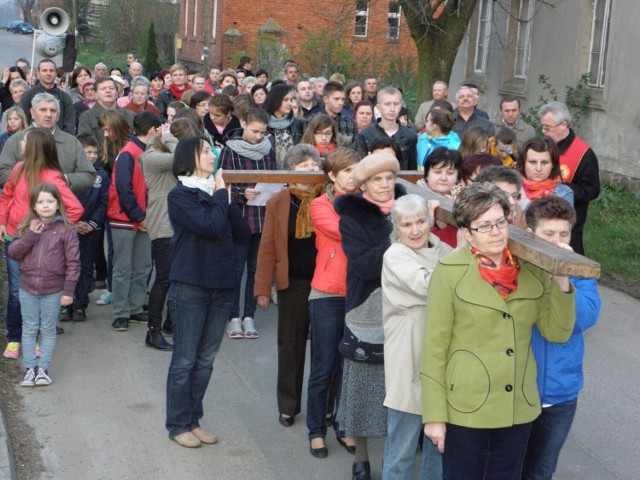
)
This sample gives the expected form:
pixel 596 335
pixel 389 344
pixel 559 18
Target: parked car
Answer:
pixel 23 28
pixel 9 26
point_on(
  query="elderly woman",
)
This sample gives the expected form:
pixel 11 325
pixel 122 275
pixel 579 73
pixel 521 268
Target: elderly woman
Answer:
pixel 540 169
pixel 288 254
pixel 365 230
pixel 138 99
pixel 479 393
pixel 406 271
pixel 327 301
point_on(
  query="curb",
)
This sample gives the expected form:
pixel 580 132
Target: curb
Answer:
pixel 7 466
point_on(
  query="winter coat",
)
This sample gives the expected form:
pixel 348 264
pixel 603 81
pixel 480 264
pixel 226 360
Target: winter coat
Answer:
pixel 404 137
pixel 427 144
pixel 49 261
pixel 477 368
pixel 95 200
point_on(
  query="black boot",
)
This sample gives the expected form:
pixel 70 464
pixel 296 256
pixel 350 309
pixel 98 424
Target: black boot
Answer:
pixel 156 340
pixel 361 471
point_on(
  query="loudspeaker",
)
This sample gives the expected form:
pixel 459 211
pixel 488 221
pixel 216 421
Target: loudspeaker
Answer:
pixel 47 45
pixel 54 21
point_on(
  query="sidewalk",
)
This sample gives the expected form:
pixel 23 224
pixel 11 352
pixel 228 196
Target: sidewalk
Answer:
pixel 102 418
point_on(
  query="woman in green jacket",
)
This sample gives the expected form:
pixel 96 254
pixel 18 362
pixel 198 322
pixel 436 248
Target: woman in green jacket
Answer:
pixel 478 373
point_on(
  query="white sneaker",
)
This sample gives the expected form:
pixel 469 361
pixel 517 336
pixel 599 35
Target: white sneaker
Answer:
pixel 105 298
pixel 234 330
pixel 29 379
pixel 249 329
pixel 43 378
pixel 274 294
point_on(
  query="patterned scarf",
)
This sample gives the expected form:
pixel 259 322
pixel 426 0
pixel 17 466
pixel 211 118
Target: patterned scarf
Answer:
pixel 503 277
pixel 326 149
pixel 304 228
pixel 535 190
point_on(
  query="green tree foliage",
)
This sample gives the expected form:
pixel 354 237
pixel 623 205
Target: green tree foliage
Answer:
pixel 150 58
pixel 325 53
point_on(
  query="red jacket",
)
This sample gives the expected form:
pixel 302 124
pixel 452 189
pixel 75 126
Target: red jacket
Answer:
pixel 14 203
pixel 330 275
pixel 128 190
pixel 49 261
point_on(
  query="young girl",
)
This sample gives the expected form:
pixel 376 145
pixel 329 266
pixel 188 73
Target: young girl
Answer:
pixel 16 122
pixel 220 120
pixel 321 132
pixel 47 248
pixel 40 165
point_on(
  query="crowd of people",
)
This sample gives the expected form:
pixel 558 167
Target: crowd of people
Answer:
pixel 422 332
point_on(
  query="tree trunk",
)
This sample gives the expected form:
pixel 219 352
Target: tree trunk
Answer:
pixel 438 32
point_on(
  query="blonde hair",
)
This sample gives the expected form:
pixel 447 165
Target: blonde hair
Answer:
pixel 33 198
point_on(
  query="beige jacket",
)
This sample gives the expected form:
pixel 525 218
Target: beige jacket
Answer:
pixel 405 277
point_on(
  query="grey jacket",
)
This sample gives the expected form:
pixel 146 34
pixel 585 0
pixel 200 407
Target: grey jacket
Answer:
pixel 67 118
pixel 88 122
pixel 79 173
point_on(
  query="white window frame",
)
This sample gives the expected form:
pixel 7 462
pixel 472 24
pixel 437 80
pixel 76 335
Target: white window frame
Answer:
pixel 395 17
pixel 360 14
pixel 483 36
pixel 598 80
pixel 523 34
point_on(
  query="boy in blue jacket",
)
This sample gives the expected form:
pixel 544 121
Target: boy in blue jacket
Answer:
pixel 94 200
pixel 560 376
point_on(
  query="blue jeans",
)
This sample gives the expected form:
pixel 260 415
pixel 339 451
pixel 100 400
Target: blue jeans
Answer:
pixel 13 319
pixel 403 433
pixel 39 312
pixel 479 453
pixel 246 255
pixel 199 320
pixel 327 328
pixel 548 433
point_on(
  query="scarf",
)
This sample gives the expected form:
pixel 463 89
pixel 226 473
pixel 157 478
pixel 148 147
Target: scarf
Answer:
pixel 384 206
pixel 207 185
pixel 324 151
pixel 281 123
pixel 304 228
pixel 535 190
pixel 254 151
pixel 504 278
pixel 178 93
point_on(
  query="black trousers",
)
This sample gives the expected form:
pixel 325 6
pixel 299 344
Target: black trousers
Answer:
pixel 161 256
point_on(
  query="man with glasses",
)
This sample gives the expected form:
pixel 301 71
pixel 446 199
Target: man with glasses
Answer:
pixel 578 164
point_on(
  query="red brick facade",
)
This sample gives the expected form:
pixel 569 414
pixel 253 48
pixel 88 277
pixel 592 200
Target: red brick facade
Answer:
pixel 296 18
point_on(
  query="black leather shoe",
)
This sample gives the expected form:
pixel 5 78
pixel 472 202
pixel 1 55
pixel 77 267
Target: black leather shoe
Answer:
pixel 349 448
pixel 59 330
pixel 120 324
pixel 156 340
pixel 167 327
pixel 321 452
pixel 285 421
pixel 141 317
pixel 361 471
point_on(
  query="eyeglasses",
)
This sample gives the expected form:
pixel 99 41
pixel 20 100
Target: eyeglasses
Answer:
pixel 549 127
pixel 202 104
pixel 515 195
pixel 326 134
pixel 487 227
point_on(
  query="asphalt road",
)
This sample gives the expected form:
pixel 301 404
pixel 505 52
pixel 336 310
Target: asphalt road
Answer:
pixel 13 47
pixel 102 418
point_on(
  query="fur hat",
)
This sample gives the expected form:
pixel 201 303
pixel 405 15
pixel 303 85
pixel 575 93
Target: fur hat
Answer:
pixel 372 165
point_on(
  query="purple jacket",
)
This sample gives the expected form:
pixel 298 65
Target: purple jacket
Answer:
pixel 49 261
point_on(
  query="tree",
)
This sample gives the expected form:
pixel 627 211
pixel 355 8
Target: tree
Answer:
pixel 27 7
pixel 151 62
pixel 437 28
pixel 326 53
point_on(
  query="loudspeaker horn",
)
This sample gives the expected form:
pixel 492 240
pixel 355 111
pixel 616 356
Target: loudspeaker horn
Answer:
pixel 54 21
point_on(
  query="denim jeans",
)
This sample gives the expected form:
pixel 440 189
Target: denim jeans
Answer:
pixel 131 266
pixel 246 255
pixel 327 328
pixel 39 312
pixel 161 255
pixel 479 453
pixel 403 434
pixel 548 433
pixel 199 320
pixel 13 319
pixel 89 244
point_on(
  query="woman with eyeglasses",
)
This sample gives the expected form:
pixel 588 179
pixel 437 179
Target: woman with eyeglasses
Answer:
pixel 540 169
pixel 478 374
pixel 321 133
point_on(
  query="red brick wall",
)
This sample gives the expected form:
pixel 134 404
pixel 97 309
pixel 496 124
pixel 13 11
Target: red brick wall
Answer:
pixel 297 18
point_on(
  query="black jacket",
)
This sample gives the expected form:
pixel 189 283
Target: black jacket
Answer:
pixel 406 139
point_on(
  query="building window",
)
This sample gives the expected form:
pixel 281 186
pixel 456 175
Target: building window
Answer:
pixel 485 11
pixel 393 31
pixel 599 42
pixel 362 18
pixel 523 38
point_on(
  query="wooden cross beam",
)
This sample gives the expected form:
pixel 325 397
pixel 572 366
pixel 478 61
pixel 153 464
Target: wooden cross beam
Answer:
pixel 523 244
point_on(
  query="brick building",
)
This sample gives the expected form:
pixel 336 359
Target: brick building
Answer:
pixel 368 27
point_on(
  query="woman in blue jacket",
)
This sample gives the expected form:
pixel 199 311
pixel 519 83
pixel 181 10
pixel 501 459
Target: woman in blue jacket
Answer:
pixel 206 224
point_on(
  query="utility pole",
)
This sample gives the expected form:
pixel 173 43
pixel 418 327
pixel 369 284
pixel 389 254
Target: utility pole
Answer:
pixel 206 50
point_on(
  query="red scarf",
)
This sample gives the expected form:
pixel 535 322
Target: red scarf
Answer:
pixel 178 93
pixel 325 150
pixel 503 277
pixel 535 190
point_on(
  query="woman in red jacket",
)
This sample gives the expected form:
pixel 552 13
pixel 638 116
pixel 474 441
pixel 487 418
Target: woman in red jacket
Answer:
pixel 326 301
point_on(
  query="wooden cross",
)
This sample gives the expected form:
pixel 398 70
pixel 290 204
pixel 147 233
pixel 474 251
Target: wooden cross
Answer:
pixel 525 245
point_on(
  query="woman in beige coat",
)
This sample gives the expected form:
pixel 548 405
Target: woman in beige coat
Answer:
pixel 406 272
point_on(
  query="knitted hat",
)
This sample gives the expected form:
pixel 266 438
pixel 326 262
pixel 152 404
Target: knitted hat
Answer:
pixel 372 165
pixel 87 82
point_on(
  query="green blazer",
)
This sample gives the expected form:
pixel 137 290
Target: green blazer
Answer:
pixel 477 368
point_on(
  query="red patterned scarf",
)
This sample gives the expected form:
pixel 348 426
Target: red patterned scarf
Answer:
pixel 503 277
pixel 535 190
